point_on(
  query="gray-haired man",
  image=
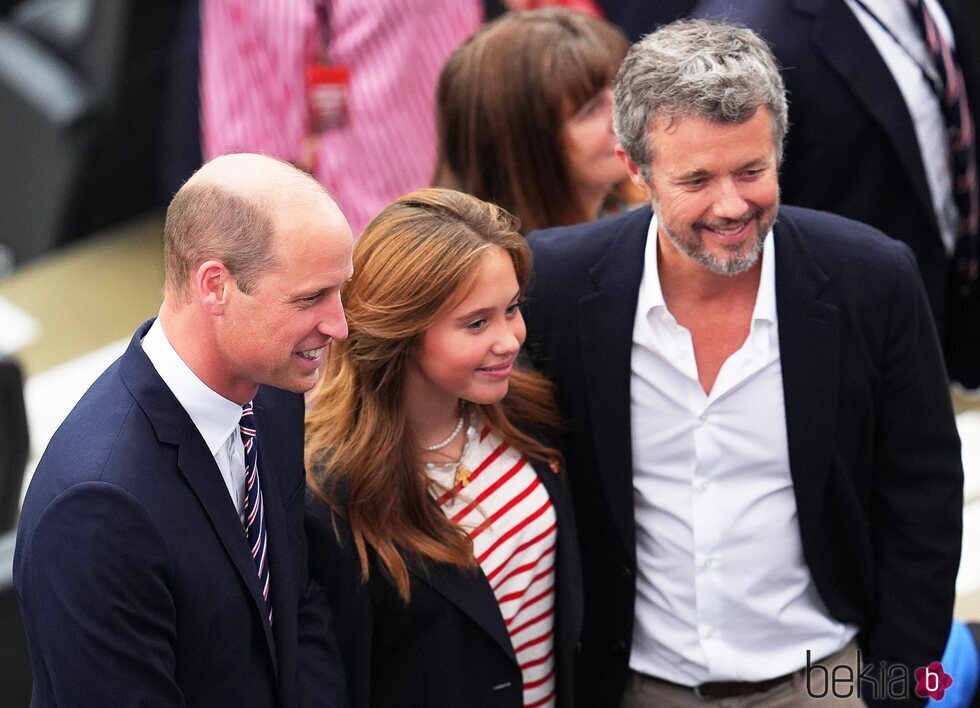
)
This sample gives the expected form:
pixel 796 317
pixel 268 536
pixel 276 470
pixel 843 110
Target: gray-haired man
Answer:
pixel 761 442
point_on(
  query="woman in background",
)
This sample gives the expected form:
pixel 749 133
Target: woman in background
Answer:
pixel 524 117
pixel 440 525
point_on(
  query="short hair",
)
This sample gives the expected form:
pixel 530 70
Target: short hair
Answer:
pixel 695 68
pixel 500 103
pixel 207 221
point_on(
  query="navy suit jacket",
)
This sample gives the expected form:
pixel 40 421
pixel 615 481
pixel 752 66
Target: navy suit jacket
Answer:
pixel 449 645
pixel 639 17
pixel 851 147
pixel 132 568
pixel 873 449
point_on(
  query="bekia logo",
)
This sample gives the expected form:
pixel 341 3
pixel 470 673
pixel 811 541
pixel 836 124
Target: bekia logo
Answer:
pixel 881 682
pixel 931 681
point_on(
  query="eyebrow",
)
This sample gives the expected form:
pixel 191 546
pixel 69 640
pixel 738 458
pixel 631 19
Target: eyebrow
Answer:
pixel 693 174
pixel 757 162
pixel 701 172
pixel 299 297
pixel 483 311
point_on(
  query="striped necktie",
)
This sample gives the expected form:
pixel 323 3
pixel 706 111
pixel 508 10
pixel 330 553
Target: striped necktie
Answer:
pixel 951 92
pixel 253 511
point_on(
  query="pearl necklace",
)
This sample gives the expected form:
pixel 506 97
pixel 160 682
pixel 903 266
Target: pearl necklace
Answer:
pixel 460 472
pixel 452 436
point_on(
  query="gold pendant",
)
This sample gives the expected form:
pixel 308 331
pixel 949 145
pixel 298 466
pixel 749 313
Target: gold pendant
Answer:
pixel 462 474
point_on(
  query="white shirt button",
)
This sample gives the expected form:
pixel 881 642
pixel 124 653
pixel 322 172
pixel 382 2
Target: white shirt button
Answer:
pixel 708 563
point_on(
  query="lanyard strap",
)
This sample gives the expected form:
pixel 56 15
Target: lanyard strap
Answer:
pixel 929 72
pixel 322 9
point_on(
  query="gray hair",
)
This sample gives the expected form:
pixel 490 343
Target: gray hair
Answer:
pixel 695 68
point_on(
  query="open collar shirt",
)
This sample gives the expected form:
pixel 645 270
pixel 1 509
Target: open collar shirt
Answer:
pixel 722 589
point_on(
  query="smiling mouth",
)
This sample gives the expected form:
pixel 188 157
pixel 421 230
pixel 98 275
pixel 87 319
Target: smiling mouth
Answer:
pixel 498 367
pixel 729 227
pixel 728 231
pixel 311 354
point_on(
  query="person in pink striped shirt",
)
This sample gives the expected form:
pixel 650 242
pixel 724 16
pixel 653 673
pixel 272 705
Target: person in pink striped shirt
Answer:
pixel 440 525
pixel 376 138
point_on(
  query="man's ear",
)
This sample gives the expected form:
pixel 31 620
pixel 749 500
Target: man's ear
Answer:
pixel 213 284
pixel 636 177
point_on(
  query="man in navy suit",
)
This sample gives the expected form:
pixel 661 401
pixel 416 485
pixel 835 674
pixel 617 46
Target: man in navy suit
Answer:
pixel 160 560
pixel 760 442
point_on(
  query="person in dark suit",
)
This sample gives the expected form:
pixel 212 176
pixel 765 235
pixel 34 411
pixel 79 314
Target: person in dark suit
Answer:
pixel 161 555
pixel 761 445
pixel 639 17
pixel 439 523
pixel 869 138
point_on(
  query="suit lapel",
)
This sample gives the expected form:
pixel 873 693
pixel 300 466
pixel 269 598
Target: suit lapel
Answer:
pixel 470 591
pixel 839 37
pixel 201 472
pixel 568 571
pixel 279 565
pixel 810 358
pixel 606 331
pixel 568 575
pixel 196 463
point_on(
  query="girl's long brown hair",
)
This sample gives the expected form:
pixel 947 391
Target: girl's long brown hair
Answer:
pixel 501 101
pixel 361 457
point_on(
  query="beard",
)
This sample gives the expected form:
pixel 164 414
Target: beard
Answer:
pixel 734 258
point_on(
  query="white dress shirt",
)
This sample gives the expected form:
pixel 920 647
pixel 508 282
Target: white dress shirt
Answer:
pixel 722 589
pixel 906 55
pixel 215 417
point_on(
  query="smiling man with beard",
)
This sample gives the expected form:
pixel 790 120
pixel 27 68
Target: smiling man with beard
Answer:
pixel 760 438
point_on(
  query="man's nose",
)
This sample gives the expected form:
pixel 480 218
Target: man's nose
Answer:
pixel 729 203
pixel 333 321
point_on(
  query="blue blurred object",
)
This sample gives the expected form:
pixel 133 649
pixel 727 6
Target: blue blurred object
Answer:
pixel 961 660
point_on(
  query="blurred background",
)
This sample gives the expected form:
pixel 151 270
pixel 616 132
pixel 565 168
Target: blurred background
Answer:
pixel 98 127
pixel 90 107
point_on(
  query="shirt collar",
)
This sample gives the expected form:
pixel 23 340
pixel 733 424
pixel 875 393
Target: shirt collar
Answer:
pixel 215 417
pixel 651 296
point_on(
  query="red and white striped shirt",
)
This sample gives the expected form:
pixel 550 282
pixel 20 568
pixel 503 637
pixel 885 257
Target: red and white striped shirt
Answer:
pixel 254 55
pixel 509 515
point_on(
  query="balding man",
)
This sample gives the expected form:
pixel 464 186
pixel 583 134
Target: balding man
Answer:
pixel 160 557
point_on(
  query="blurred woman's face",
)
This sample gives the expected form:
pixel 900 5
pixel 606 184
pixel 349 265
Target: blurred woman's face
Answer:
pixel 590 149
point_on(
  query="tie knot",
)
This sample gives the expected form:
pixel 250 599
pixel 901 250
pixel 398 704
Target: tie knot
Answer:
pixel 247 421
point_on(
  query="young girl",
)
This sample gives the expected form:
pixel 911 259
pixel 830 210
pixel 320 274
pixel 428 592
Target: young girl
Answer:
pixel 439 523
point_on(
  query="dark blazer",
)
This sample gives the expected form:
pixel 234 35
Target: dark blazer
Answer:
pixel 132 567
pixel 873 448
pixel 449 646
pixel 851 147
pixel 639 17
